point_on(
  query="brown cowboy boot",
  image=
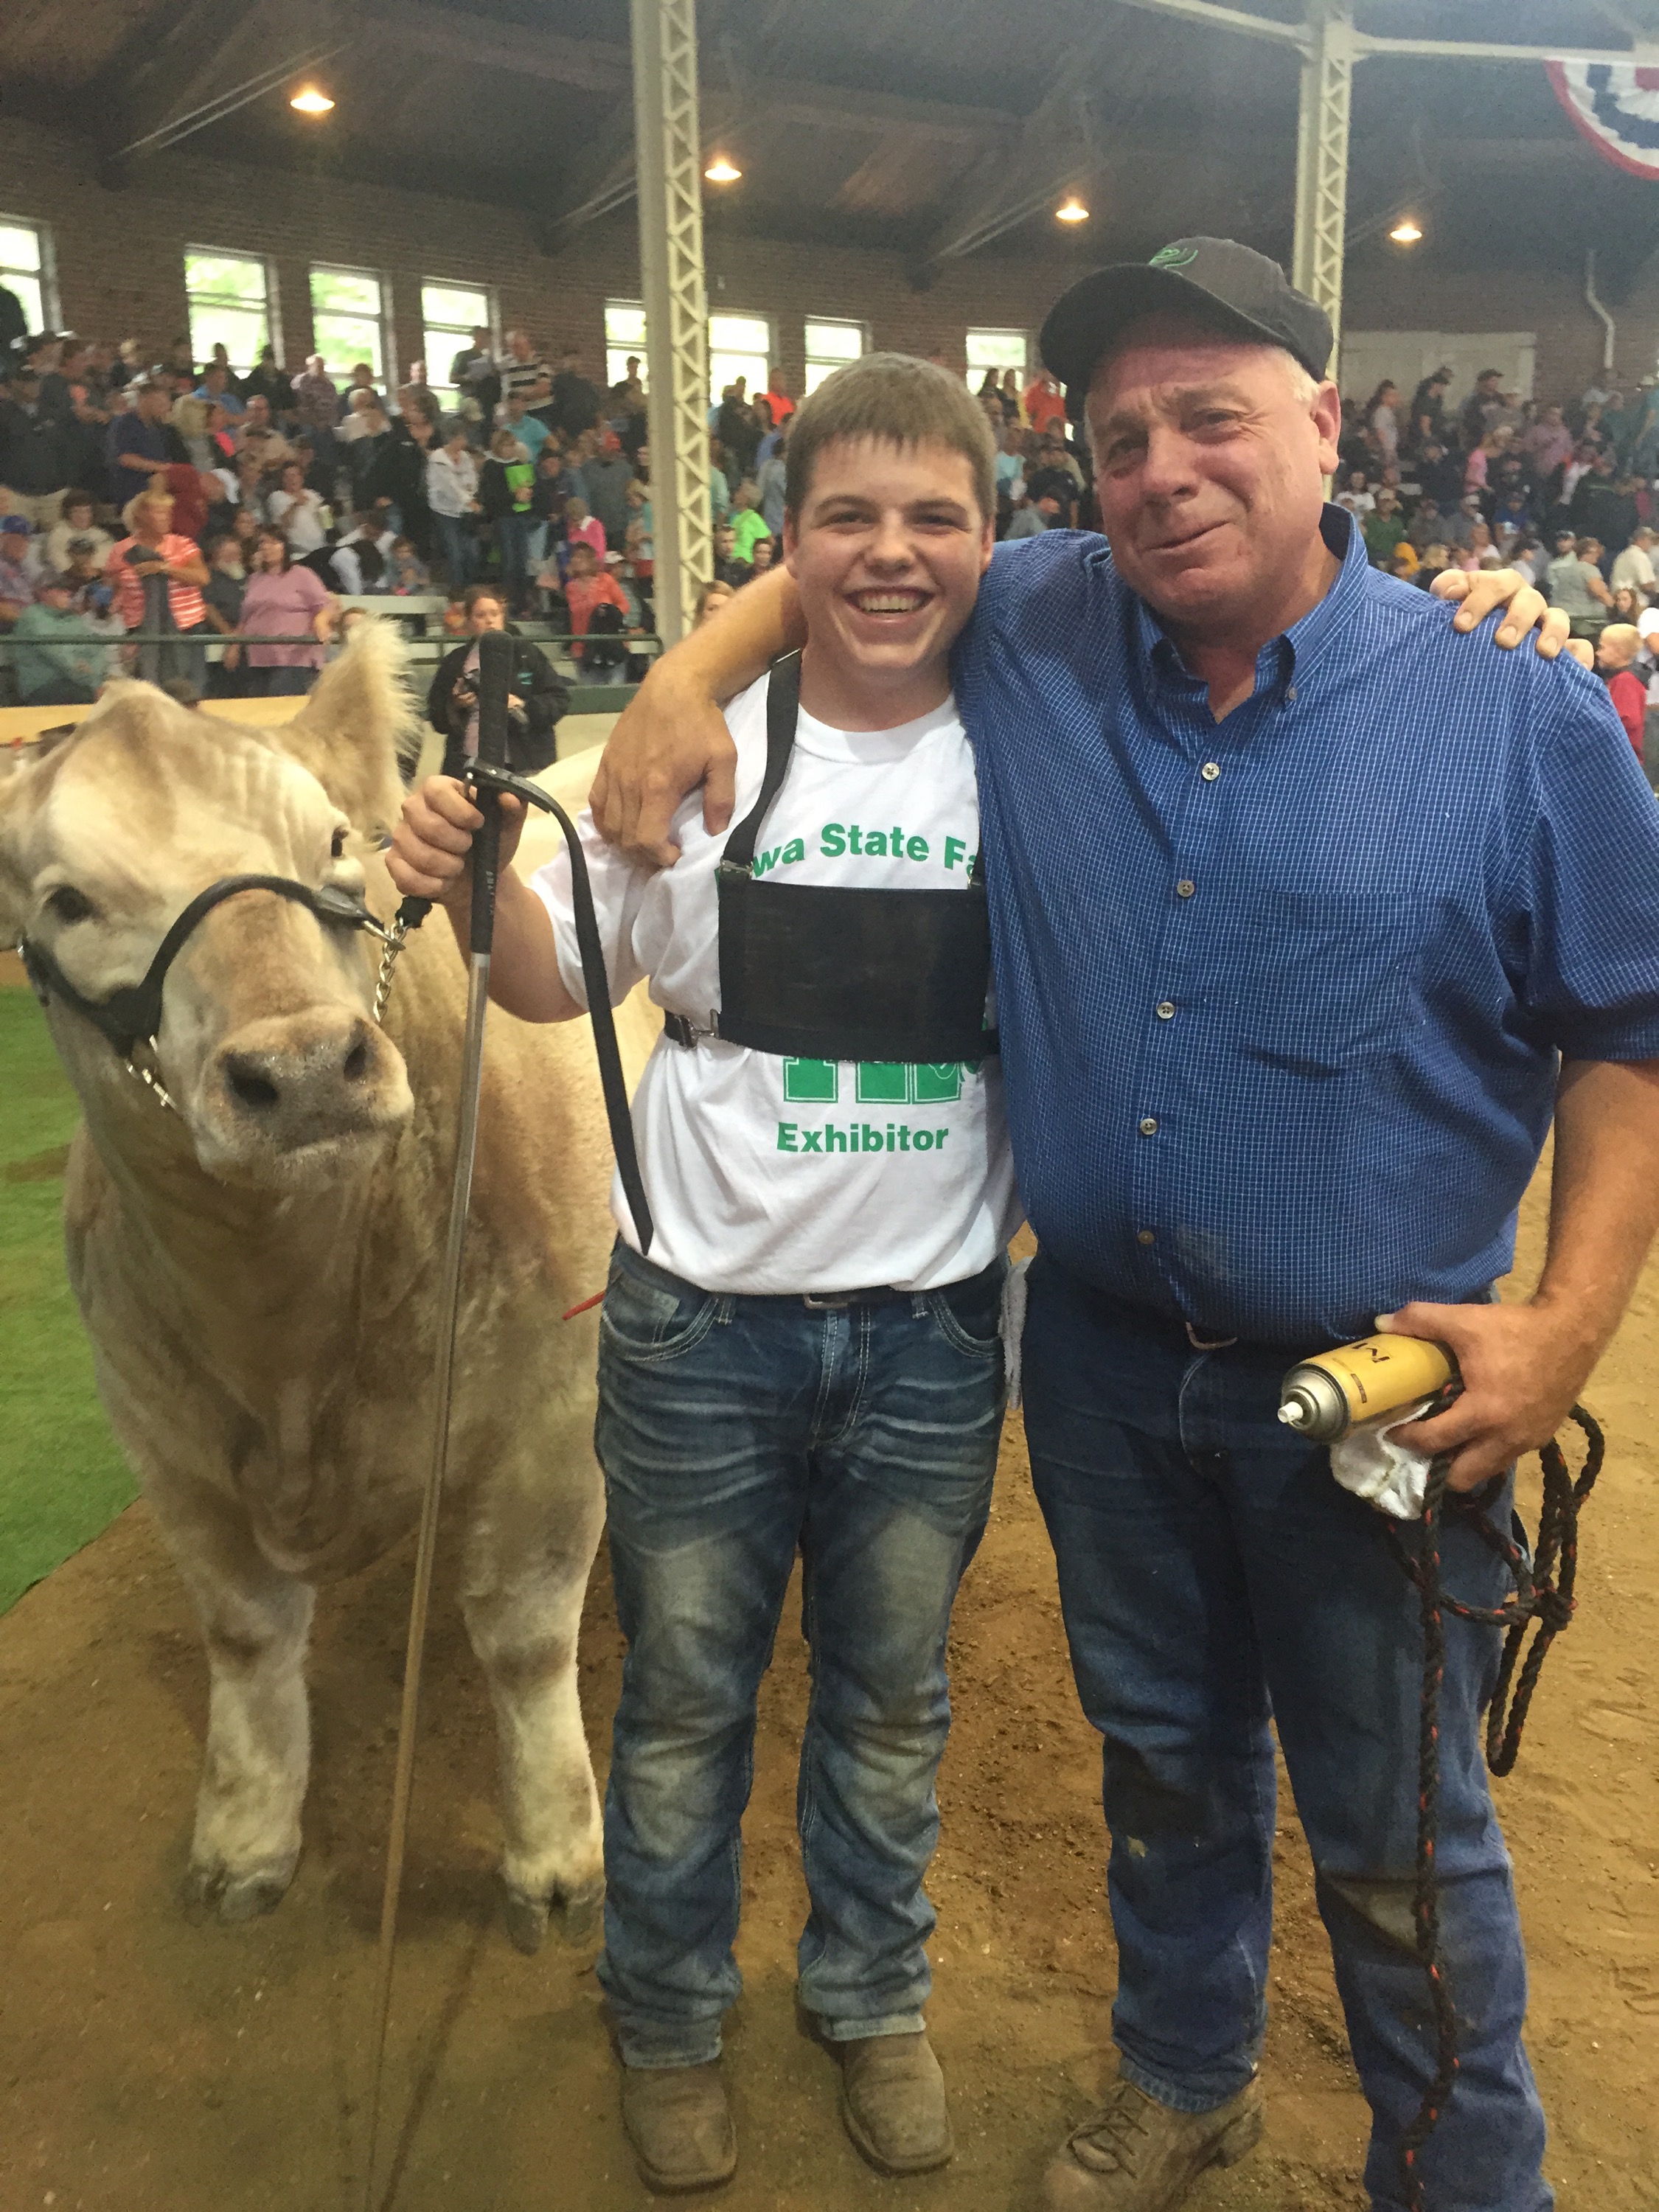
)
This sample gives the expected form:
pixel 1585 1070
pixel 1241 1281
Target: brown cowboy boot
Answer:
pixel 892 2102
pixel 680 2125
pixel 1137 2155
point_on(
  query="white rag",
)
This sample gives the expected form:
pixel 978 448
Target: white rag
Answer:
pixel 1011 1325
pixel 1390 1476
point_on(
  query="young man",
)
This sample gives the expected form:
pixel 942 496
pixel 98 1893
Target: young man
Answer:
pixel 810 1355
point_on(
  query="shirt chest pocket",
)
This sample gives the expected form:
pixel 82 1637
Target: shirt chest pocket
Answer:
pixel 1312 982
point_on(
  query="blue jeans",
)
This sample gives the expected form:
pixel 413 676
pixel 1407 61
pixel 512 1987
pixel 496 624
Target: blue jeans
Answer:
pixel 513 540
pixel 732 1431
pixel 1213 1572
pixel 281 682
pixel 455 544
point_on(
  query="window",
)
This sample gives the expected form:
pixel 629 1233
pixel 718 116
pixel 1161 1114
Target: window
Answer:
pixel 26 270
pixel 829 346
pixel 229 297
pixel 739 345
pixel 449 315
pixel 995 349
pixel 348 319
pixel 624 334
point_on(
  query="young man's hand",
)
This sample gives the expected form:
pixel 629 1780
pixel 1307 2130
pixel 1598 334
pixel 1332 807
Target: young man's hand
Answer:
pixel 430 855
pixel 1488 589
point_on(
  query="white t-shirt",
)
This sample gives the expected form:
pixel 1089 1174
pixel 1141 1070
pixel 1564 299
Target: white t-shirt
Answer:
pixel 302 518
pixel 1633 566
pixel 773 1175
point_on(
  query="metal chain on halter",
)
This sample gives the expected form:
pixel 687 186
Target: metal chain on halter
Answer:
pixel 409 915
pixel 151 1081
pixel 1544 1594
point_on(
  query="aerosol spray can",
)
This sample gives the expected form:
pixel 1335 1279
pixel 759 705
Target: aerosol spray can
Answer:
pixel 1324 1397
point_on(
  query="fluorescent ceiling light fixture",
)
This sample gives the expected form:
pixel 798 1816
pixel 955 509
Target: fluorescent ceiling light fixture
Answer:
pixel 1071 210
pixel 1407 232
pixel 722 171
pixel 310 101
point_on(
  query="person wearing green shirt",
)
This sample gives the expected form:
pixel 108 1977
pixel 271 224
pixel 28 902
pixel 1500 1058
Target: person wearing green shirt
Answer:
pixel 1384 528
pixel 57 660
pixel 748 524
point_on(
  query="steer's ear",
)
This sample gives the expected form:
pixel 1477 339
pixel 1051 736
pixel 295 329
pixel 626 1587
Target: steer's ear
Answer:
pixel 23 778
pixel 354 726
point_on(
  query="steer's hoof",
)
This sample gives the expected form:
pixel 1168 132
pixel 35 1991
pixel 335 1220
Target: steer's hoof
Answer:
pixel 581 1914
pixel 578 1912
pixel 526 1920
pixel 247 1899
pixel 242 1896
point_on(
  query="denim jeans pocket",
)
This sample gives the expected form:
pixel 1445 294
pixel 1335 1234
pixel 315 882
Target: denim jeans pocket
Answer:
pixel 647 1322
pixel 969 1317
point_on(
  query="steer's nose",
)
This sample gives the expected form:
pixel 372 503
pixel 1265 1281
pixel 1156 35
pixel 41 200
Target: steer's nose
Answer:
pixel 304 1077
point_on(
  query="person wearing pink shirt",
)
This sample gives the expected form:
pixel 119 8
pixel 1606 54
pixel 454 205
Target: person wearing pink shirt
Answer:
pixel 581 528
pixel 1549 442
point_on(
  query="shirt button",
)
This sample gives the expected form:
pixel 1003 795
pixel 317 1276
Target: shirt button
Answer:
pixel 1148 1126
pixel 1185 888
pixel 1210 771
pixel 1291 695
pixel 1143 1236
pixel 1165 1010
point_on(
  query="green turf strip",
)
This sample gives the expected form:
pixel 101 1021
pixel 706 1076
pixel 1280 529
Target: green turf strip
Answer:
pixel 63 1478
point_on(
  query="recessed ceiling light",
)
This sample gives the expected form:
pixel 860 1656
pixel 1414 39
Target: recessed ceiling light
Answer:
pixel 1407 232
pixel 722 171
pixel 310 101
pixel 1071 210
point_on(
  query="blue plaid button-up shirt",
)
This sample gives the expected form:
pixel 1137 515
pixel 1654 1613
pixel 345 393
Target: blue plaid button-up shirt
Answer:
pixel 1280 998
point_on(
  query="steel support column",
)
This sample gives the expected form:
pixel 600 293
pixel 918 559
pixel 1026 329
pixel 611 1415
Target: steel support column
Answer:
pixel 676 301
pixel 1321 160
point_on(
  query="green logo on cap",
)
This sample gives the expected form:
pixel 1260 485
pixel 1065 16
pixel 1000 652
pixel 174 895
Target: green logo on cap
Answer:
pixel 1173 257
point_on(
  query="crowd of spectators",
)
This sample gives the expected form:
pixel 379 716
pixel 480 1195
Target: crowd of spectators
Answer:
pixel 184 502
pixel 1567 494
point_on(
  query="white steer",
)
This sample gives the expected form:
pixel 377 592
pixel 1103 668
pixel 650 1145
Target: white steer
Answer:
pixel 257 1270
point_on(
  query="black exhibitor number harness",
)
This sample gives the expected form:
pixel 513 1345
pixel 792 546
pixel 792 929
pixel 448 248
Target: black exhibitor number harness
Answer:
pixel 828 971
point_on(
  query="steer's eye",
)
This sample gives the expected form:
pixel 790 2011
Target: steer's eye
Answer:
pixel 67 904
pixel 336 846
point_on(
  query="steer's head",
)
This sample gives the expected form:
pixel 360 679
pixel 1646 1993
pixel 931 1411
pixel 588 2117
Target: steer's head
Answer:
pixel 267 1044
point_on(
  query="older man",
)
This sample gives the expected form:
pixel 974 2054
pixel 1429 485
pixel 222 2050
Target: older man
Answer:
pixel 1632 569
pixel 1281 1040
pixel 141 445
pixel 259 436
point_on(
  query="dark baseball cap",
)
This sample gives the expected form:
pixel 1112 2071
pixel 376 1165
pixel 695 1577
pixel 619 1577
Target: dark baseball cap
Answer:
pixel 1227 285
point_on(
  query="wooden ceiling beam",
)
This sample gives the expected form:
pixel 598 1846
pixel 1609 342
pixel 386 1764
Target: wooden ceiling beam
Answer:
pixel 603 65
pixel 786 99
pixel 478 42
pixel 165 69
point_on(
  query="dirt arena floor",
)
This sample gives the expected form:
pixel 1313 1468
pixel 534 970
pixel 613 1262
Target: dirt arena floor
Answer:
pixel 151 2060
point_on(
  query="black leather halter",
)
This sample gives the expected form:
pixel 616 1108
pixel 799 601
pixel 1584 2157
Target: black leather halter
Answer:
pixel 133 1013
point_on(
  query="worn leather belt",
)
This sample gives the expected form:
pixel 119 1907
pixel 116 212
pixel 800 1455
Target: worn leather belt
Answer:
pixel 883 1294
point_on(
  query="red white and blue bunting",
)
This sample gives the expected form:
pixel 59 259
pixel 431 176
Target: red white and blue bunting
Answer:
pixel 1616 106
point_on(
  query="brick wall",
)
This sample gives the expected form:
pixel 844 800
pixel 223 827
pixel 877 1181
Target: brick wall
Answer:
pixel 120 269
pixel 1398 296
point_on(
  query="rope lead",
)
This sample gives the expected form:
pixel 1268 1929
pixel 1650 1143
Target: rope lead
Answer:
pixel 1543 1593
